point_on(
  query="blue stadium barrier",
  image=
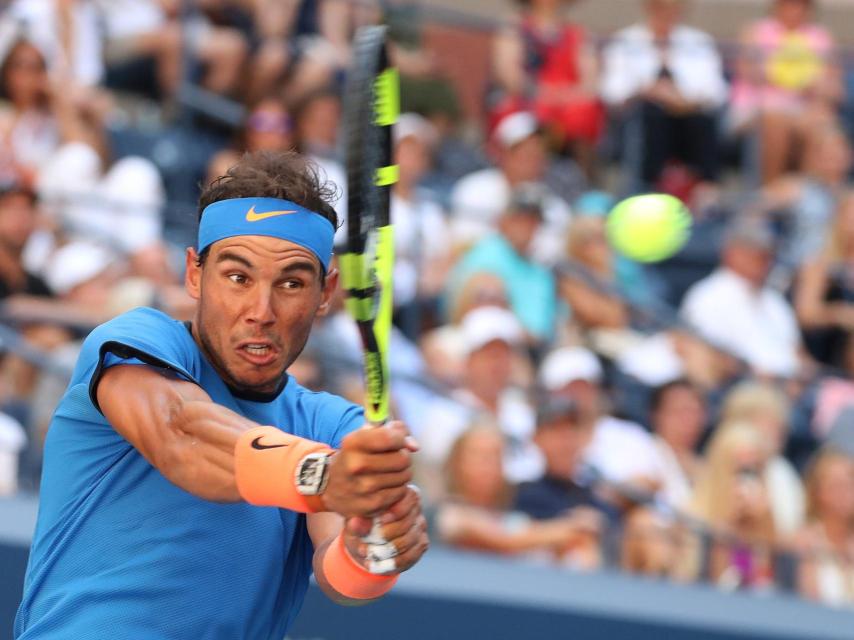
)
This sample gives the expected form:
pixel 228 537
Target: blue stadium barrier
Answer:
pixel 461 595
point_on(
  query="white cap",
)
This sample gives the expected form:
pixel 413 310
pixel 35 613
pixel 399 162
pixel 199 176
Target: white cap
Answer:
pixel 416 126
pixel 483 325
pixel 74 264
pixel 512 129
pixel 567 364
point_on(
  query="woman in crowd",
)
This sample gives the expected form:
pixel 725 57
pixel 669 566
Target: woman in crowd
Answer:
pixel 824 291
pixel 547 65
pixel 476 514
pixel 827 541
pixel 29 132
pixel 766 408
pixel 787 83
pixel 732 499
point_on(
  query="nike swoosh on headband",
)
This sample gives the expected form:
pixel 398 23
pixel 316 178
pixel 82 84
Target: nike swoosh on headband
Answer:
pixel 251 216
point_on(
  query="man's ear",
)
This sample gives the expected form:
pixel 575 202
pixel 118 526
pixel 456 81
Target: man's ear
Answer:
pixel 329 288
pixel 193 274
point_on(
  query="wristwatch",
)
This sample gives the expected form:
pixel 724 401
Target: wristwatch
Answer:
pixel 312 472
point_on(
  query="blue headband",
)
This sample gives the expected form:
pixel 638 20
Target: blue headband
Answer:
pixel 267 217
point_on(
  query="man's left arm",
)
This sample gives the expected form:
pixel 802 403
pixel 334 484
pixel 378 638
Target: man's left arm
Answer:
pixel 340 556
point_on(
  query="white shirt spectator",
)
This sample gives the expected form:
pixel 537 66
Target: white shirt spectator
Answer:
pixel 633 62
pixel 479 199
pixel 758 326
pixel 420 237
pixel 128 18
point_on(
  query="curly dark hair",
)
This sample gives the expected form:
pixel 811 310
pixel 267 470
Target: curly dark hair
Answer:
pixel 273 174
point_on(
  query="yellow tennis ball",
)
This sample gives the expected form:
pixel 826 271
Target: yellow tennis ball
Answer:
pixel 650 227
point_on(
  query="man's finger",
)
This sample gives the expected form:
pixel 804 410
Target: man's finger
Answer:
pixel 392 437
pixel 402 508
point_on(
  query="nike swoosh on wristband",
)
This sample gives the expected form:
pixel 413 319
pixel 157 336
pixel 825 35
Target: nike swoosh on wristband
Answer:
pixel 251 216
pixel 256 444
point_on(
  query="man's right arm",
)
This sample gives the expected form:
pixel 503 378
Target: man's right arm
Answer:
pixel 191 440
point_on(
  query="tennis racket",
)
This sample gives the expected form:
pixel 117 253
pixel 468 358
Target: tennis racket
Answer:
pixel 371 108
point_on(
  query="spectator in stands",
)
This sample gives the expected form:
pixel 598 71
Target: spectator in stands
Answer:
pixel 18 216
pixel 560 491
pixel 735 308
pixel 808 202
pixel 732 499
pixel 827 542
pixel 548 65
pixel 592 308
pixel 766 408
pixel 491 337
pixel 620 451
pixel 12 441
pixel 678 419
pixel 654 545
pixel 66 33
pixel 667 80
pixel 268 127
pixel 476 514
pixel 422 254
pixel 19 289
pixel 824 290
pixel 317 119
pixel 145 41
pixel 509 254
pixel 444 347
pixel 479 199
pixel 788 84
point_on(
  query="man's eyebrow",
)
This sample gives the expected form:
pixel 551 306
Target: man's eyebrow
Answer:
pixel 302 265
pixel 228 255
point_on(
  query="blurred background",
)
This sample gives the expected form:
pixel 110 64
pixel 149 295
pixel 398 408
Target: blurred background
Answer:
pixel 687 424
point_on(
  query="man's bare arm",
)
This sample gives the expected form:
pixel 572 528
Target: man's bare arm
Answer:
pixel 176 426
pixel 191 440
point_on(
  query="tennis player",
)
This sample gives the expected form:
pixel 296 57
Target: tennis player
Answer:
pixel 190 485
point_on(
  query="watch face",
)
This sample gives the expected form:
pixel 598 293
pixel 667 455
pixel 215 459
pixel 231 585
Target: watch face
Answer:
pixel 311 474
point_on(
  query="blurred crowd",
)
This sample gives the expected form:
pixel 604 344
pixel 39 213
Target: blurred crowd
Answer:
pixel 690 420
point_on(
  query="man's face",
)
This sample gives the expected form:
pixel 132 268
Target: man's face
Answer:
pixel 492 362
pixel 257 298
pixel 525 161
pixel 751 263
pixel 664 13
pixel 17 220
pixel 562 441
pixel 519 228
pixel 680 417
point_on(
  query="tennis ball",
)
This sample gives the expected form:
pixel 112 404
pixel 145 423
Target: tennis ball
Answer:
pixel 650 227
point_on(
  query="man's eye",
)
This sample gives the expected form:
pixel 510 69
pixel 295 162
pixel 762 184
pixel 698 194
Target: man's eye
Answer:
pixel 292 284
pixel 237 278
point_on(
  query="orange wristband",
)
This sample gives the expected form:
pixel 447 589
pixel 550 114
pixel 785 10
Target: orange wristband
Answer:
pixel 265 467
pixel 351 579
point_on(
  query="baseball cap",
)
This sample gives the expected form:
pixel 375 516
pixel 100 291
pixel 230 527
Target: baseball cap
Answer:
pixel 513 129
pixel 567 364
pixel 483 325
pixel 528 197
pixel 74 264
pixel 412 125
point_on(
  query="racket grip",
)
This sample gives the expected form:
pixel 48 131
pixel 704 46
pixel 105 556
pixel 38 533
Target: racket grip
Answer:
pixel 381 552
